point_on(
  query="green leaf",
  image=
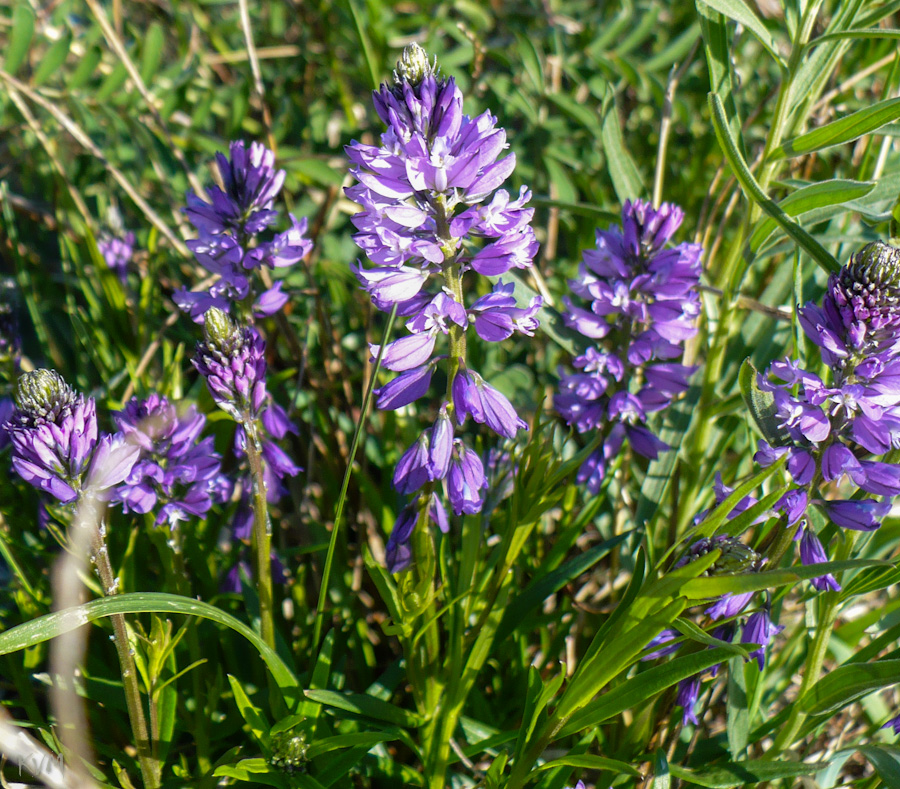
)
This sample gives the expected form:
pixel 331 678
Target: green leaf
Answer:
pixel 578 112
pixel 705 588
pixel 253 716
pixel 634 693
pixel 624 173
pixel 19 38
pixel 809 198
pixel 761 405
pixel 857 34
pixel 846 129
pixel 732 774
pixel 317 171
pixel 848 683
pixel 540 589
pixel 368 706
pixel 370 738
pixel 662 778
pixel 717 41
pixel 738 727
pixel 589 762
pixel 886 761
pixel 151 54
pixel 754 191
pixel 255 771
pixel 85 68
pixel 46 627
pixel 740 12
pixel 53 59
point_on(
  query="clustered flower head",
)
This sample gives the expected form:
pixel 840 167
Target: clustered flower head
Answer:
pixel 232 359
pixel 229 243
pixel 433 212
pixel 176 467
pixel 55 440
pixel 642 304
pixel 829 430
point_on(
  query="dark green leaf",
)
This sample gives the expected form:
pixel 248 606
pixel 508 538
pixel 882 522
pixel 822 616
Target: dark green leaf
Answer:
pixel 19 37
pixel 848 683
pixel 846 129
pixel 754 191
pixel 368 706
pixel 733 774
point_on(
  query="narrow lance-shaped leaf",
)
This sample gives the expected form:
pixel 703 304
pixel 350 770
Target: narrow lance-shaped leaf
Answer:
pixel 846 129
pixel 755 192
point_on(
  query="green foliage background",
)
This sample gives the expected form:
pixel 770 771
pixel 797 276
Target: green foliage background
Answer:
pixel 118 108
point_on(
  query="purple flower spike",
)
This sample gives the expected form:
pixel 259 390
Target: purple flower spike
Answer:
pixel 53 434
pixel 232 359
pixel 759 629
pixel 642 304
pixel 812 552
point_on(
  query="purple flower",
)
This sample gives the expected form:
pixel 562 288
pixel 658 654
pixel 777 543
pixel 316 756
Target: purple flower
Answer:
pixel 412 470
pixel 759 629
pixel 662 644
pixel 398 551
pixel 465 480
pixel 229 245
pixel 232 360
pixel 432 216
pixel 471 395
pixel 688 691
pixel 55 443
pixel 251 186
pixel 812 552
pixel 53 434
pixel 117 252
pixel 175 469
pixel 404 389
pixel 862 515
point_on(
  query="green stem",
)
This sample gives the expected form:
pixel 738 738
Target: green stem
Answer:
pixel 262 531
pixel 829 603
pixel 150 768
pixel 342 498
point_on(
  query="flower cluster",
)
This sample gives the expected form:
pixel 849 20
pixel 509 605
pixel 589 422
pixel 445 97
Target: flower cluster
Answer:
pixel 828 430
pixel 56 445
pixel 229 245
pixel 642 305
pixel 175 468
pixel 433 211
